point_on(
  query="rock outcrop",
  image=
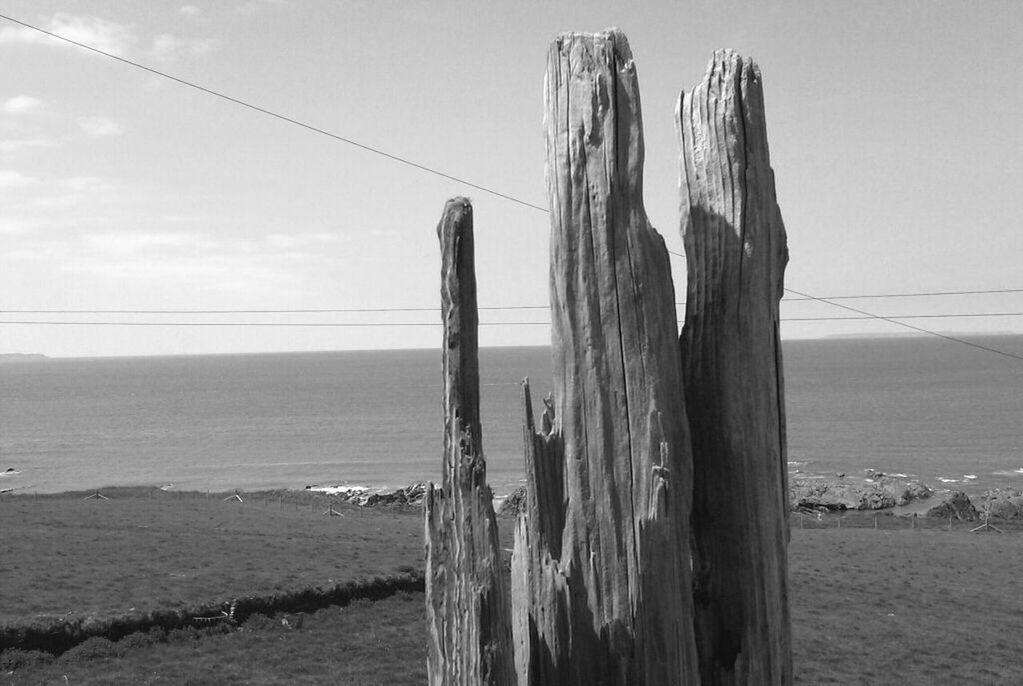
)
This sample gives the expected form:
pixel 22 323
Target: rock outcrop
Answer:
pixel 957 505
pixel 1003 503
pixel 513 504
pixel 408 496
pixel 877 492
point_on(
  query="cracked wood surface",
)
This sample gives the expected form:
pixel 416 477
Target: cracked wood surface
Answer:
pixel 467 610
pixel 601 569
pixel 736 254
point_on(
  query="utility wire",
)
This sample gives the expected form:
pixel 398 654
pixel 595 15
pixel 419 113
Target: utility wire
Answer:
pixel 270 113
pixel 862 316
pixel 284 324
pixel 903 316
pixel 350 310
pixel 906 295
pixel 909 326
pixel 343 310
pixel 871 315
pixel 409 163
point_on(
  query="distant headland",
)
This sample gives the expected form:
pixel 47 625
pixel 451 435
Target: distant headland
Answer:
pixel 13 358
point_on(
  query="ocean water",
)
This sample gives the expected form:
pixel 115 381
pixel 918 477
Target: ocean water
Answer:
pixel 945 413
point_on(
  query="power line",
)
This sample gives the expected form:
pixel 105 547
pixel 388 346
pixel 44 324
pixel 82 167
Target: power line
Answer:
pixel 906 295
pixel 901 316
pixel 863 316
pixel 345 310
pixel 273 324
pixel 910 326
pixel 349 310
pixel 271 113
pixel 404 161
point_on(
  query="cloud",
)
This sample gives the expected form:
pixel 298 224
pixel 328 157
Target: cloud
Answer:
pixel 21 104
pixel 97 33
pixel 128 243
pixel 190 11
pixel 10 227
pixel 168 47
pixel 10 178
pixel 99 127
pixel 17 144
pixel 286 241
pixel 255 5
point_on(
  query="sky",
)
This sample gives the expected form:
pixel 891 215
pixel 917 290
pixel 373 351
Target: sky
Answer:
pixel 894 131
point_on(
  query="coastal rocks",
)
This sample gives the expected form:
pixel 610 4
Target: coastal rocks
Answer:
pixel 409 496
pixel 403 497
pixel 957 505
pixel 513 504
pixel 907 491
pixel 1004 503
pixel 876 492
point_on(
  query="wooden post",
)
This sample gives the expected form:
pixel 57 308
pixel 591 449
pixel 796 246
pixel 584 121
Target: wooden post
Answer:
pixel 601 568
pixel 467 609
pixel 736 254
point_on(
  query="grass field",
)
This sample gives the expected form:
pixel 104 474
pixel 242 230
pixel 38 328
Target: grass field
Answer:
pixel 146 548
pixel 887 606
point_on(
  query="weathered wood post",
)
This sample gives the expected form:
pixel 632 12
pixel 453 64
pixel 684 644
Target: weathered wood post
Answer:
pixel 736 254
pixel 466 594
pixel 601 568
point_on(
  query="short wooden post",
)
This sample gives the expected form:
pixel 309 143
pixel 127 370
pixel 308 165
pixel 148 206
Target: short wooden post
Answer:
pixel 732 361
pixel 467 604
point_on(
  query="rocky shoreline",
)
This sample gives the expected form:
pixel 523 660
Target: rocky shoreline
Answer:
pixel 874 491
pixel 408 496
pixel 879 491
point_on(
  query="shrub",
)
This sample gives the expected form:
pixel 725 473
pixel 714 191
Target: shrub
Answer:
pixel 15 658
pixel 182 635
pixel 93 648
pixel 259 622
pixel 139 640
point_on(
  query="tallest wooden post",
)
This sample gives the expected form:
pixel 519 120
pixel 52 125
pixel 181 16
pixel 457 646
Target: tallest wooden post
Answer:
pixel 601 570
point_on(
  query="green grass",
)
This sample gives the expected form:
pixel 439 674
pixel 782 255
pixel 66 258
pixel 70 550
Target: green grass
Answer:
pixel 906 607
pixel 367 642
pixel 888 606
pixel 144 549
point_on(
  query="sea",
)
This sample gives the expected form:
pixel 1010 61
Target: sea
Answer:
pixel 946 413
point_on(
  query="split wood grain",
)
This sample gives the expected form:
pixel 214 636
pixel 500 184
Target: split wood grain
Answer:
pixel 736 254
pixel 467 601
pixel 601 568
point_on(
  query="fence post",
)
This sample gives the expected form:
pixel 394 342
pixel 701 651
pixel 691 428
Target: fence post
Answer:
pixel 732 361
pixel 467 604
pixel 609 472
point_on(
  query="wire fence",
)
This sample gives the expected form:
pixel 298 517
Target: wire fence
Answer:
pixel 889 521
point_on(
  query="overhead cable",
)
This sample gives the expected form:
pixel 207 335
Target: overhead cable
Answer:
pixel 276 115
